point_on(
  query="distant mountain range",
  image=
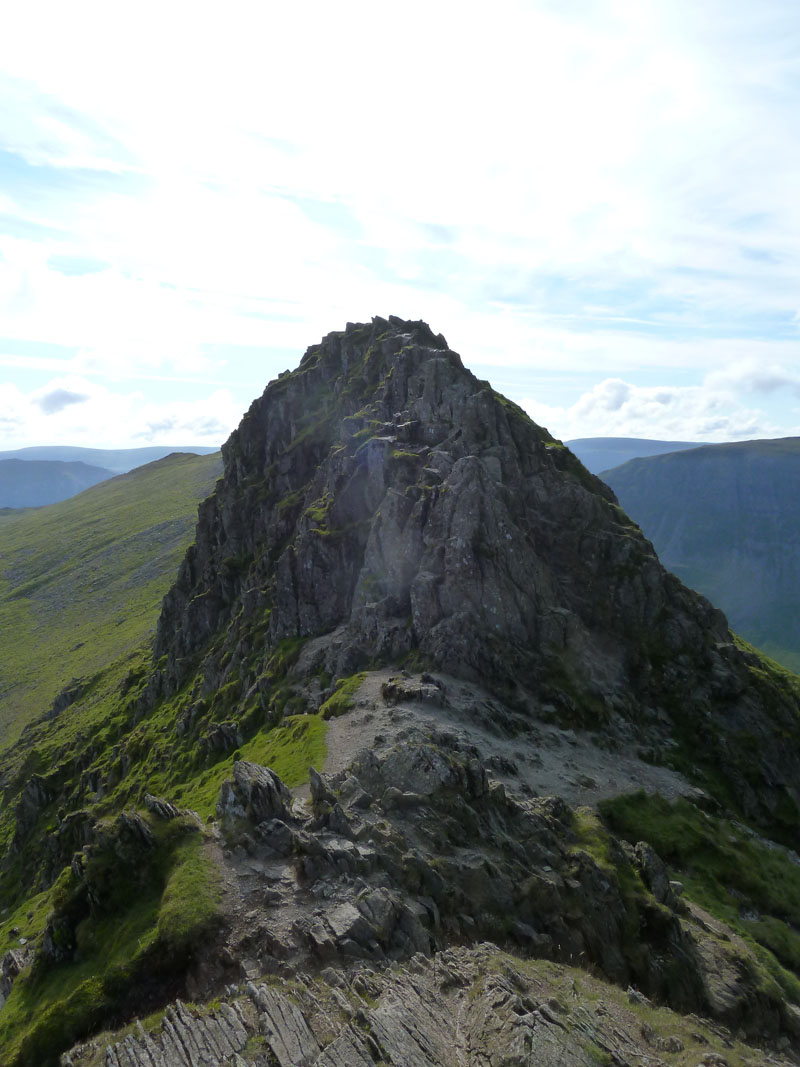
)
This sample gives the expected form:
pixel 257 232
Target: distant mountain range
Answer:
pixel 35 477
pixel 603 453
pixel 726 519
pixel 32 483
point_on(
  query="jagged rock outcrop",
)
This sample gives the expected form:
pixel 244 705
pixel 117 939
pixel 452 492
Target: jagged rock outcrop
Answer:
pixel 464 1006
pixel 417 848
pixel 36 795
pixel 10 966
pixel 255 793
pixel 381 499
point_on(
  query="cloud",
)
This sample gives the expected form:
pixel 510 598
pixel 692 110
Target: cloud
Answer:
pixel 58 399
pixel 109 418
pixel 614 408
pixel 14 408
pixel 615 191
pixel 756 378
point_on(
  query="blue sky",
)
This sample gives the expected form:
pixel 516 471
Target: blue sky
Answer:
pixel 596 202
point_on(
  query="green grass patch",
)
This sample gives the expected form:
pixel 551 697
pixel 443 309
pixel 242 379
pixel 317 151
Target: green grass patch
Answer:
pixel 592 837
pixel 288 749
pixel 515 410
pixel 770 670
pixel 82 580
pixel 318 510
pixel 717 854
pixel 190 904
pixel 285 655
pixel 342 700
pixel 726 870
pixel 291 500
pixel 152 909
pixel 28 918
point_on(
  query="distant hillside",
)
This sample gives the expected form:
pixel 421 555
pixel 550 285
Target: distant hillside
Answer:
pixel 602 453
pixel 81 581
pixel 35 483
pixel 726 519
pixel 116 460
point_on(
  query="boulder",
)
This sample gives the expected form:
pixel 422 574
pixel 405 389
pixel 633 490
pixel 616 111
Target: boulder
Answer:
pixel 254 793
pixel 655 875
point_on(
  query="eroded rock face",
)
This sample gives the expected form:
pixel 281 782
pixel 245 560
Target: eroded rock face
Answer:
pixel 36 795
pixel 255 793
pixel 417 849
pixel 473 1005
pixel 382 487
pixel 381 499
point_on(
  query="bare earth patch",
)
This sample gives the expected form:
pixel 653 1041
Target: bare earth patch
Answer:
pixel 536 758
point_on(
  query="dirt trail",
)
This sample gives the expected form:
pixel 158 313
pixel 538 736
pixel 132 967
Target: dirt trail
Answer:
pixel 542 760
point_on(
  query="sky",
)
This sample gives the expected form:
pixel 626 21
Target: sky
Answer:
pixel 597 202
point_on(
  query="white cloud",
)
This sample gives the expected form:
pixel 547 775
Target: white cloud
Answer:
pixel 616 408
pixel 754 377
pixel 57 399
pixel 77 411
pixel 261 176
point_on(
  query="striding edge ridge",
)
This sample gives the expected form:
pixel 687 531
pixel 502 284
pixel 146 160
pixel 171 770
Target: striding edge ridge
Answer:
pixel 381 501
pixel 425 901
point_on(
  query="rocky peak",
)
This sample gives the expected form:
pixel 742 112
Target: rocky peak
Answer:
pixel 381 501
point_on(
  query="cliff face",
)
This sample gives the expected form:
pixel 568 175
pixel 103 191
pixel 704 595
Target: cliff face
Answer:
pixel 381 501
pixel 383 492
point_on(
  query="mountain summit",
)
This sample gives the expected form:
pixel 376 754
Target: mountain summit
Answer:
pixel 430 759
pixel 381 501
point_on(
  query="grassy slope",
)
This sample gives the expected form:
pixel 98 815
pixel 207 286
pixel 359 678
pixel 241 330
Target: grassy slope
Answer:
pixel 742 879
pixel 81 584
pixel 81 581
pixel 81 589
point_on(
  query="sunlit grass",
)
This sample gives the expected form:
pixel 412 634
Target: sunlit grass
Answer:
pixel 81 581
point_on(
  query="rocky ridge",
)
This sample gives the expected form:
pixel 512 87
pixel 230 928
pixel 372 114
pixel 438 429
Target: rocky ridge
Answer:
pixel 375 909
pixel 380 501
pixel 466 1005
pixel 400 553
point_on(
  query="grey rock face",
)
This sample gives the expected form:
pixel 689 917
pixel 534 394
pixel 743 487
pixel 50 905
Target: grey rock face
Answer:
pixel 466 861
pixel 464 1006
pixel 185 1040
pixel 655 875
pixel 68 695
pixel 161 808
pixel 74 832
pixel 36 795
pixel 10 966
pixel 381 499
pixel 222 737
pixel 255 793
